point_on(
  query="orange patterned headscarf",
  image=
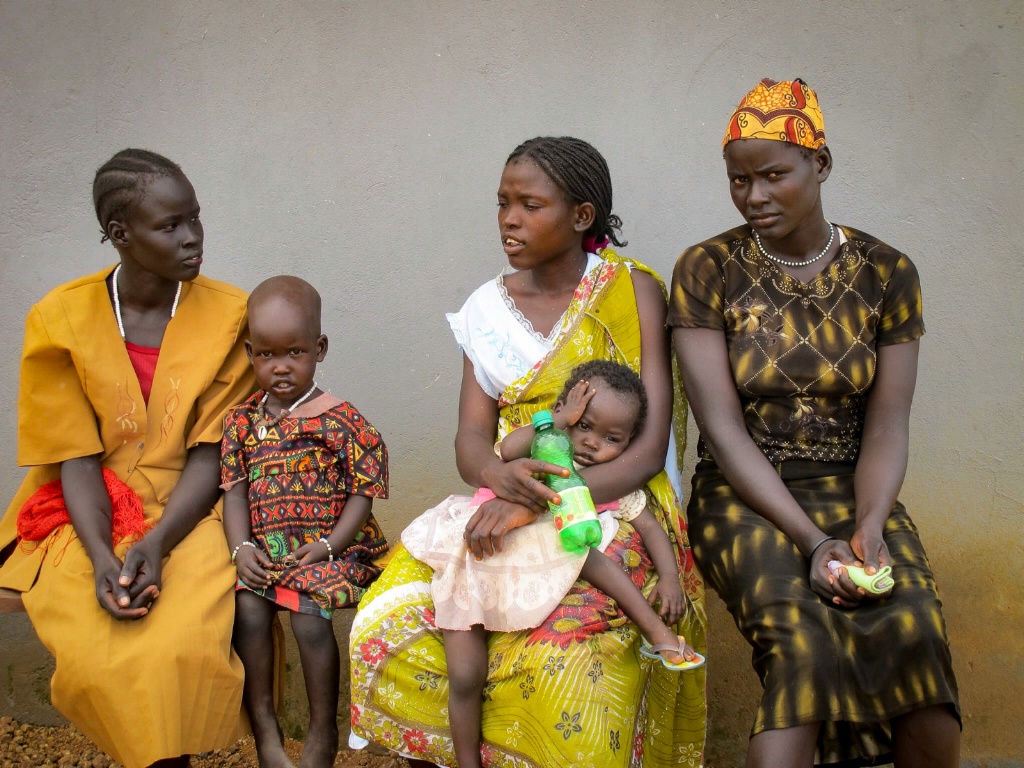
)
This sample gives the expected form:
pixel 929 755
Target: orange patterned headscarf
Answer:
pixel 786 111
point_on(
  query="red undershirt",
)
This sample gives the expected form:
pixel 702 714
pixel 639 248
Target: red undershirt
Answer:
pixel 144 362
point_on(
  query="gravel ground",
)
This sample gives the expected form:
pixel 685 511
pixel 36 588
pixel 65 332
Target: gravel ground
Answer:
pixel 30 746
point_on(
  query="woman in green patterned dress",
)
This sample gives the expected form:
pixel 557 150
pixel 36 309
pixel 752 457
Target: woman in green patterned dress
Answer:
pixel 798 344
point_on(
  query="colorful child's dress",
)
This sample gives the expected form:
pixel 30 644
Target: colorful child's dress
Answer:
pixel 301 475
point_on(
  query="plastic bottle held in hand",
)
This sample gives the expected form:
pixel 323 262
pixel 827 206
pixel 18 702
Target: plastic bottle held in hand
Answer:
pixel 575 518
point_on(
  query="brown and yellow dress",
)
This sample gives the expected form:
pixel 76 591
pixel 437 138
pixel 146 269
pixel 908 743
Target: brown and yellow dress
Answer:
pixel 167 684
pixel 803 359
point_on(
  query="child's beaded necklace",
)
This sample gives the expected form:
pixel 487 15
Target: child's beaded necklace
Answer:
pixel 265 422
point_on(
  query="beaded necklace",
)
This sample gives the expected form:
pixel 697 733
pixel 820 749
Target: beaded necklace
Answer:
pixel 265 422
pixel 117 302
pixel 787 262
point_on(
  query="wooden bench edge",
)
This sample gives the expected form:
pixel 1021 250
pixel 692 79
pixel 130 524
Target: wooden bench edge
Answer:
pixel 10 601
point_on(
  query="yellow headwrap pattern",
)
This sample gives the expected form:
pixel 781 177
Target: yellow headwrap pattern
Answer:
pixel 786 111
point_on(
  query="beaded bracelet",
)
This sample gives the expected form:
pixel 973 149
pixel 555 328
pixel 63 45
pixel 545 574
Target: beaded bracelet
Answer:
pixel 234 552
pixel 815 547
pixel 330 551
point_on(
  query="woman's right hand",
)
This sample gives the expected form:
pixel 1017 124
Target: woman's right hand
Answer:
pixel 486 529
pixel 839 591
pixel 516 481
pixel 251 562
pixel 114 598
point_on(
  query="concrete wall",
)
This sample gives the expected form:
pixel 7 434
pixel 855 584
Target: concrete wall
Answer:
pixel 360 145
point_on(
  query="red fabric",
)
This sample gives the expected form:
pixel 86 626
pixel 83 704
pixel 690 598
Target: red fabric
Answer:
pixel 144 362
pixel 45 510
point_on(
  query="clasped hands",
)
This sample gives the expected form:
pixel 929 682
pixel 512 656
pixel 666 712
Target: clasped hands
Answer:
pixel 521 498
pixel 257 570
pixel 867 548
pixel 128 589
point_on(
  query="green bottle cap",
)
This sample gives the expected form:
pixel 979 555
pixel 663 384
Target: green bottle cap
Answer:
pixel 542 419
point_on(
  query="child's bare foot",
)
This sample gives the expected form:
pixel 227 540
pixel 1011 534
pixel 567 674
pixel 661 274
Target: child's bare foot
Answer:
pixel 270 747
pixel 274 758
pixel 320 748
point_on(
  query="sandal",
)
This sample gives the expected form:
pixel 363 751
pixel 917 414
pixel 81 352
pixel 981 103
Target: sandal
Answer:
pixel 877 584
pixel 654 652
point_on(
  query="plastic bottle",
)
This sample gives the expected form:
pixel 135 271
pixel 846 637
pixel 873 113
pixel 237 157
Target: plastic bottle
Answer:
pixel 575 518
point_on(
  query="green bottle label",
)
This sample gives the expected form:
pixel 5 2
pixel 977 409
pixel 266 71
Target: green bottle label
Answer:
pixel 577 506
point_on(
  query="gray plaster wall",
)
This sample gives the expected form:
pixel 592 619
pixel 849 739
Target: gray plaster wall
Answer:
pixel 359 144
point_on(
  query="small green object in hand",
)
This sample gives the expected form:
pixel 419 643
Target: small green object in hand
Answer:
pixel 877 584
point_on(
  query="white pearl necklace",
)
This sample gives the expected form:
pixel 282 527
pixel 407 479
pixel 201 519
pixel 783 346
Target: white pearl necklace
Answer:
pixel 117 302
pixel 263 422
pixel 787 262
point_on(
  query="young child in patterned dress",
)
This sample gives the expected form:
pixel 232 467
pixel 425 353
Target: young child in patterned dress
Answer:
pixel 300 469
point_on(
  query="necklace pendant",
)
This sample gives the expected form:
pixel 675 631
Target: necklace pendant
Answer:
pixel 261 432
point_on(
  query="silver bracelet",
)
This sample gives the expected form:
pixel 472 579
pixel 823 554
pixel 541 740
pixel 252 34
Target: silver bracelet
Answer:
pixel 330 552
pixel 234 552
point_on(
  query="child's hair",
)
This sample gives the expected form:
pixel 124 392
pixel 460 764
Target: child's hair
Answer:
pixel 581 173
pixel 619 377
pixel 294 290
pixel 120 182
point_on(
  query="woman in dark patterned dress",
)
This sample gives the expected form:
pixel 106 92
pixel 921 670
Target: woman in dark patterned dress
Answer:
pixel 798 343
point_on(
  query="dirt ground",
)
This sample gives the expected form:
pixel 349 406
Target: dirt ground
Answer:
pixel 30 746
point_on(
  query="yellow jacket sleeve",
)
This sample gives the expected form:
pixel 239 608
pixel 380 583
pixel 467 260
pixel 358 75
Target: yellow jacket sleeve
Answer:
pixel 56 421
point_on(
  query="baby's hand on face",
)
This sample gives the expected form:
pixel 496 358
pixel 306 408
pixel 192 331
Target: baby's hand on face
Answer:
pixel 575 404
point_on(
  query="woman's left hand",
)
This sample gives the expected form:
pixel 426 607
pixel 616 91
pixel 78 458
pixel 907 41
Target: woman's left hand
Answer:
pixel 486 529
pixel 141 570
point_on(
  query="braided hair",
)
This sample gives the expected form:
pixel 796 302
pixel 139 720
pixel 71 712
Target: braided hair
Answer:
pixel 120 182
pixel 620 378
pixel 581 173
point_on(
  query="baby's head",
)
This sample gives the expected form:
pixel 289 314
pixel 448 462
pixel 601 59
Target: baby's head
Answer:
pixel 614 415
pixel 285 342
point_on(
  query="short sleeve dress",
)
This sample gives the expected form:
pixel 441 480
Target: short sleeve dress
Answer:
pixel 301 474
pixel 168 684
pixel 803 359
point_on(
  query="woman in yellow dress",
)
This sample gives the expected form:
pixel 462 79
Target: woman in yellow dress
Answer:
pixel 125 379
pixel 575 690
